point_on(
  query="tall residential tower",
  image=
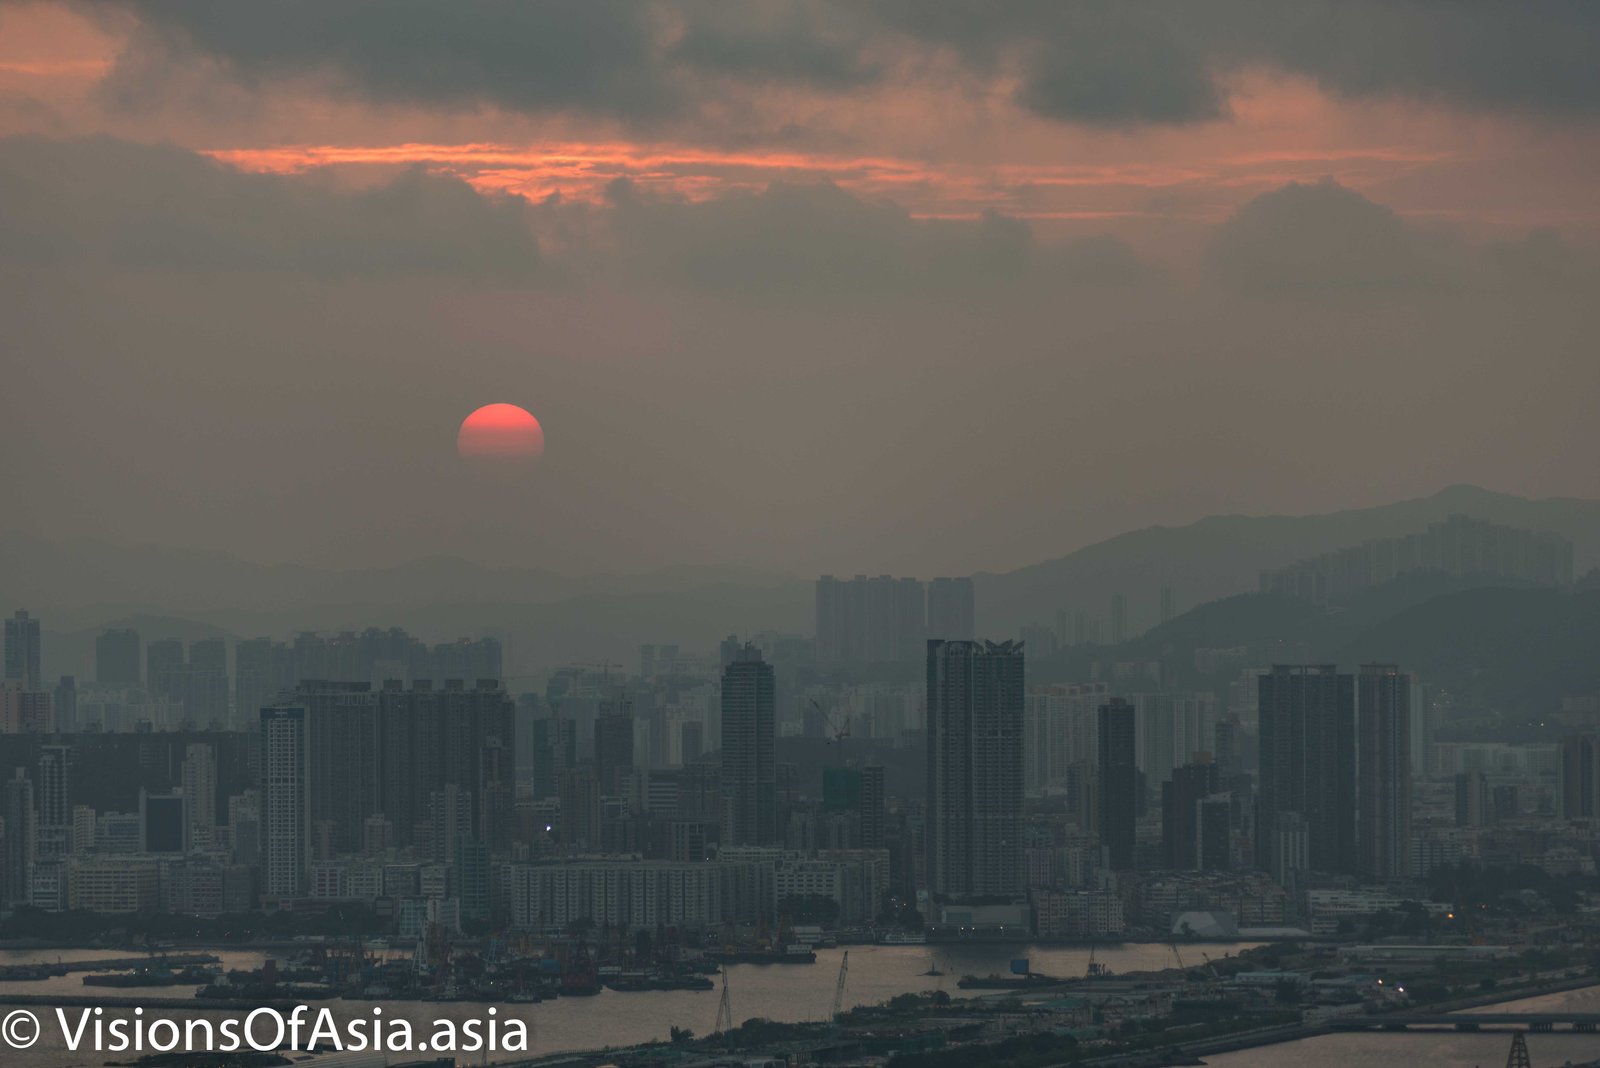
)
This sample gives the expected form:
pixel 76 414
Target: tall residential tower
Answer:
pixel 1308 769
pixel 749 757
pixel 975 769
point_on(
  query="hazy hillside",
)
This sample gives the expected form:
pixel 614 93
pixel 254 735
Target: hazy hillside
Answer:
pixel 78 586
pixel 1224 555
pixel 1515 652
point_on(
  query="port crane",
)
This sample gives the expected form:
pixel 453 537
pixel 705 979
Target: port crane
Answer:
pixel 724 1008
pixel 838 988
pixel 1178 957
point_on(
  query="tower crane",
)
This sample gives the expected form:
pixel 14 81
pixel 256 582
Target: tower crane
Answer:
pixel 838 726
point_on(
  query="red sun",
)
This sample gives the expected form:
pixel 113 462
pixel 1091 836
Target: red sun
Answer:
pixel 501 432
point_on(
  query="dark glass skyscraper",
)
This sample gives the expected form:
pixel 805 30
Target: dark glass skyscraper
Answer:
pixel 749 758
pixel 975 769
pixel 613 747
pixel 1308 765
pixel 1180 813
pixel 1118 792
pixel 1383 797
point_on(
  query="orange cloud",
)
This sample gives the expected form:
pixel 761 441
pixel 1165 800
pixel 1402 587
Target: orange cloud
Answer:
pixel 579 172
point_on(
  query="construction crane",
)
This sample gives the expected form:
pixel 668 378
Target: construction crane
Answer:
pixel 1177 957
pixel 838 726
pixel 838 988
pixel 1212 968
pixel 724 1008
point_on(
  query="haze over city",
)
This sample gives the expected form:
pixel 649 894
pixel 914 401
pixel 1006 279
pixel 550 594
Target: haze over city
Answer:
pixel 796 532
pixel 801 288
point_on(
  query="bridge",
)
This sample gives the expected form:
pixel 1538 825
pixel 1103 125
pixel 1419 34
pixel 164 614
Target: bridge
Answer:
pixel 1583 1022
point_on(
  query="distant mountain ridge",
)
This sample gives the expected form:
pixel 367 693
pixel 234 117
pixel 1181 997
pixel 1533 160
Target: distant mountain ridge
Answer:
pixel 546 618
pixel 1219 556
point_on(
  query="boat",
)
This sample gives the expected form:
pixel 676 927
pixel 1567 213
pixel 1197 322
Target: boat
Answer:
pixel 152 977
pixel 579 977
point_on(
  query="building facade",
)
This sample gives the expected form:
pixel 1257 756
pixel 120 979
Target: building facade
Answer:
pixel 975 844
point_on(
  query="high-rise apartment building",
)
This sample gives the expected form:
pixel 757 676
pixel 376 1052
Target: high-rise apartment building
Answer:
pixel 877 619
pixel 200 789
pixel 749 756
pixel 429 738
pixel 53 812
pixel 265 669
pixel 1383 792
pixel 1308 768
pixel 117 658
pixel 1472 800
pixel 613 748
pixel 21 827
pixel 1578 789
pixel 22 652
pixel 25 711
pixel 64 704
pixel 163 821
pixel 283 800
pixel 164 662
pixel 1181 798
pixel 975 769
pixel 1117 803
pixel 874 813
pixel 341 761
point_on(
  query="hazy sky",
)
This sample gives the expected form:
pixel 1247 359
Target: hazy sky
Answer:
pixel 919 286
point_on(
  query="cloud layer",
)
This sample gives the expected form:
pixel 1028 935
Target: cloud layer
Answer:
pixel 1101 64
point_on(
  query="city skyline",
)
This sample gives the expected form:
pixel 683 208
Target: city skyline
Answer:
pixel 800 532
